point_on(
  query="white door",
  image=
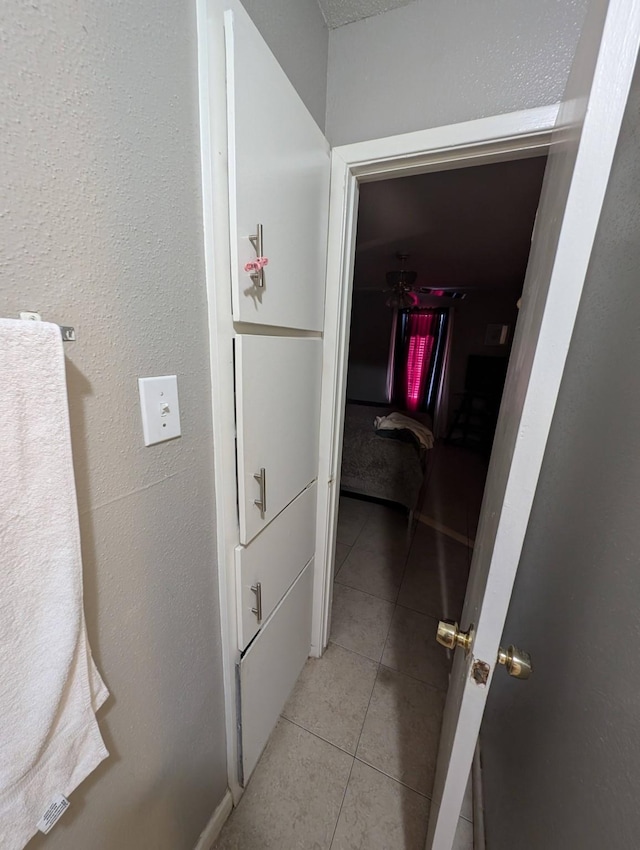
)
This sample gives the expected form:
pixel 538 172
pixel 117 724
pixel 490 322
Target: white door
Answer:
pixel 572 195
pixel 278 190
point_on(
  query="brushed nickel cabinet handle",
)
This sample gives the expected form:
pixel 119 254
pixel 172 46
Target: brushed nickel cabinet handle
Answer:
pixel 257 589
pixel 261 478
pixel 257 241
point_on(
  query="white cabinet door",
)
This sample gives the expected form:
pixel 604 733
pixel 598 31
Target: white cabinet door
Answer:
pixel 572 195
pixel 279 179
pixel 269 668
pixel 277 415
pixel 267 567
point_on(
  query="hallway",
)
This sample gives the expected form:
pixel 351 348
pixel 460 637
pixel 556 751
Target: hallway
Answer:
pixel 352 760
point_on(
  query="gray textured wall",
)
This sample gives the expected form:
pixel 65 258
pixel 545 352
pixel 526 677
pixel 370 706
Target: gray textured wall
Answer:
pixel 101 228
pixel 299 39
pixel 561 752
pixel 436 62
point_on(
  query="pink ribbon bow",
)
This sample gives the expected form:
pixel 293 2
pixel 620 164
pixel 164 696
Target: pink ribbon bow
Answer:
pixel 256 265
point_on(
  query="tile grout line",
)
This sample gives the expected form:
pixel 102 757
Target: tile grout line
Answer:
pixel 384 646
pixel 331 744
pixel 355 651
pixel 395 604
pixel 346 787
pixel 403 784
pixel 366 592
pixel 380 664
pixel 344 794
pixel 415 678
pixel 417 611
pixel 319 737
pixel 357 537
pixel 394 779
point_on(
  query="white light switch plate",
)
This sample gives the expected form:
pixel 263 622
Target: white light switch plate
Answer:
pixel 160 410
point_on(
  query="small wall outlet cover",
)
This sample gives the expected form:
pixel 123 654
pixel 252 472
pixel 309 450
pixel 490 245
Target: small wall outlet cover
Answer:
pixel 160 409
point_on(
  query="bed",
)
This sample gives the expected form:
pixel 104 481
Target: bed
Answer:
pixel 391 469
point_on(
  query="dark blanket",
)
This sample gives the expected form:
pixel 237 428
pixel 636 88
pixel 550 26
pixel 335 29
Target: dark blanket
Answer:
pixel 375 465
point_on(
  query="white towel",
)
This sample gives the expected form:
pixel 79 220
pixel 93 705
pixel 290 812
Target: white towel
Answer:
pixel 49 687
pixel 396 421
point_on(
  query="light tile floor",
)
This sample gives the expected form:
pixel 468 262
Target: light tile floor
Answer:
pixel 350 765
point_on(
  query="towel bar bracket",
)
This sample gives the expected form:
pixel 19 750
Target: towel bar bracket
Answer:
pixel 68 332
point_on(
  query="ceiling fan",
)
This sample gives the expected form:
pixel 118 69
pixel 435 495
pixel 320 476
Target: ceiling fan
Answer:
pixel 403 292
pixel 401 286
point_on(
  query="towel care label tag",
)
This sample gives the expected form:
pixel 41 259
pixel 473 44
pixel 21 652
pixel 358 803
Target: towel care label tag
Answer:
pixel 56 809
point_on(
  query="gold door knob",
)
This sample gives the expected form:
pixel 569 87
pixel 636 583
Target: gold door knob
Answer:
pixel 449 635
pixel 517 662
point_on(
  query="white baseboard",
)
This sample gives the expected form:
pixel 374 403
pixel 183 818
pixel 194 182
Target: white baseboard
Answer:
pixel 213 829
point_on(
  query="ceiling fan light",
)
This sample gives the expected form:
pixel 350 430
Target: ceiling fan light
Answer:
pixel 401 277
pixel 401 300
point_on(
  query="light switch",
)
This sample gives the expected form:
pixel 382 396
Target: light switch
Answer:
pixel 160 410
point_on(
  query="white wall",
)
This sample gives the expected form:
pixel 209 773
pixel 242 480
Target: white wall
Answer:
pixel 436 62
pixel 101 228
pixel 299 39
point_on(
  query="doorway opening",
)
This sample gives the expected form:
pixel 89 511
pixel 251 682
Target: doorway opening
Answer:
pixel 440 263
pixel 428 229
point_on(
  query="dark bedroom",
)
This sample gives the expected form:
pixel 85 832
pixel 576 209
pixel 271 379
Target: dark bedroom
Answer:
pixel 439 270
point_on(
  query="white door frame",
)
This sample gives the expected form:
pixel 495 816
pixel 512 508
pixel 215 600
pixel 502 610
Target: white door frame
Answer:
pixel 215 213
pixel 515 135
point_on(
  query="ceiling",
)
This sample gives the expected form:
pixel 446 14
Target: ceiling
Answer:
pixel 468 227
pixel 339 12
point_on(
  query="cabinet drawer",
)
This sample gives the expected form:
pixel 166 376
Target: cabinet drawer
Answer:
pixel 272 561
pixel 270 667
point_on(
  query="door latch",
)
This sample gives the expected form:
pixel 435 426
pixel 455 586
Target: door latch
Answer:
pixel 449 635
pixel 517 662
